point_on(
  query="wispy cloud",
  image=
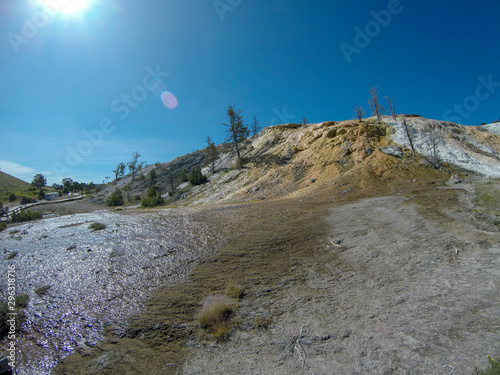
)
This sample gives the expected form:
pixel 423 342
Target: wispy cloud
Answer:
pixel 17 170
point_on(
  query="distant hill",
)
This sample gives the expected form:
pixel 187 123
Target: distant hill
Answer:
pixel 8 183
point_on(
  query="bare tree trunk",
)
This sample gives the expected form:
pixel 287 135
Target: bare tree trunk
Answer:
pixel 409 136
pixel 432 143
pixel 171 180
pixel 375 105
pixel 392 107
pixel 359 112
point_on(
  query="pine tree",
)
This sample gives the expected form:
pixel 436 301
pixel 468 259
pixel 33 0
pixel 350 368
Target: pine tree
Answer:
pixel 236 132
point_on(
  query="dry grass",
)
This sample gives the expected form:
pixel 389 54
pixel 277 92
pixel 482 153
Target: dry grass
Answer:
pixel 235 291
pixel 263 322
pixel 215 316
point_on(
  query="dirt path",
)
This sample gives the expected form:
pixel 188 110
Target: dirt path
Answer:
pixel 394 298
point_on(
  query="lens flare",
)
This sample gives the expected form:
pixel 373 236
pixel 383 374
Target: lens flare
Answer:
pixel 169 100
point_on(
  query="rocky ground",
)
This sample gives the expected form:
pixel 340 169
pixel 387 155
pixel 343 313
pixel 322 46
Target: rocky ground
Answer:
pixel 355 260
pixel 405 283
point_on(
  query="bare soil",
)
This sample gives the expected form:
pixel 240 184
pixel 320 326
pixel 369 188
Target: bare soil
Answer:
pixel 405 283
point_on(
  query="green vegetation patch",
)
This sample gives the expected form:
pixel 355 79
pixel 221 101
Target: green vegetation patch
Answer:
pixel 5 320
pixel 24 216
pixel 22 301
pixel 153 199
pixel 12 255
pixel 97 226
pixel 116 199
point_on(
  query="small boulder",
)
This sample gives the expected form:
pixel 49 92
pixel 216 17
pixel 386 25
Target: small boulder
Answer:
pixel 392 151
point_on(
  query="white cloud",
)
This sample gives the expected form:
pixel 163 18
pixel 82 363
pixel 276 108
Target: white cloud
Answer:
pixel 20 171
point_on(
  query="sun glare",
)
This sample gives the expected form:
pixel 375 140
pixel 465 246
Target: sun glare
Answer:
pixel 67 6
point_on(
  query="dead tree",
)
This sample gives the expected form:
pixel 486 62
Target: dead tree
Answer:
pixel 391 106
pixel 374 104
pixel 359 112
pixel 432 142
pixel 410 139
pixel 255 126
pixel 171 179
pixel 212 153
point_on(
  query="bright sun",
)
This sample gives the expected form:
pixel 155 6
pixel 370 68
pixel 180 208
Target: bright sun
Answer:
pixel 67 6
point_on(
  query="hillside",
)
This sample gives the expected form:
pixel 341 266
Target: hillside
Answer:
pixel 8 182
pixel 355 257
pixel 348 156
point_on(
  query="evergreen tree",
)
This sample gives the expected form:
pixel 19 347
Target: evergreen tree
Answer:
pixel 236 132
pixel 116 199
pixel 195 177
pixel 39 181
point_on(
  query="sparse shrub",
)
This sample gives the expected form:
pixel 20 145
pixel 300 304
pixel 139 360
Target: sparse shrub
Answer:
pixel 3 226
pixel 24 216
pixel 116 199
pixel 12 255
pixel 97 226
pixel 42 290
pixel 235 291
pixel 12 197
pixel 4 323
pixel 22 300
pixel 493 369
pixel 215 316
pixel 263 322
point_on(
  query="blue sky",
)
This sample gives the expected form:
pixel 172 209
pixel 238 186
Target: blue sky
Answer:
pixel 81 92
